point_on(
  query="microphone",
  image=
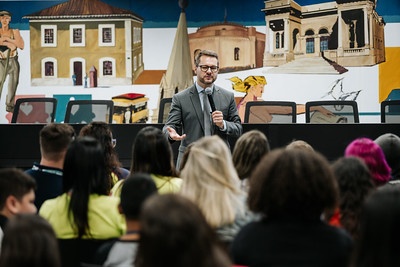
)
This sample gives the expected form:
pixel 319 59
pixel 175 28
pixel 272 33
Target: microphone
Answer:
pixel 208 91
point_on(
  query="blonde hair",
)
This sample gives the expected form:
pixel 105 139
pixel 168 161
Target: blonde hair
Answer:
pixel 243 86
pixel 210 180
pixel 299 144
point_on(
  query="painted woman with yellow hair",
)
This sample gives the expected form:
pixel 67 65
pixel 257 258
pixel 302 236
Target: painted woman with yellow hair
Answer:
pixel 253 86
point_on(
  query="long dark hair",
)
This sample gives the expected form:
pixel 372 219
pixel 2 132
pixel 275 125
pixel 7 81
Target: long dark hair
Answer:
pixel 152 153
pixel 355 184
pixel 101 131
pixel 84 174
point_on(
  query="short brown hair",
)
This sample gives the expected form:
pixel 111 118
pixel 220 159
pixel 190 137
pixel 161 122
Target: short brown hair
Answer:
pixel 14 182
pixel 55 139
pixel 209 53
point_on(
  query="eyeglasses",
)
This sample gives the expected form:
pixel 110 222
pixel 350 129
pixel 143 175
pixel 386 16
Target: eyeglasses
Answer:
pixel 205 68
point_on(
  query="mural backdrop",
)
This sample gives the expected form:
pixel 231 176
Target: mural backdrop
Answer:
pixel 158 20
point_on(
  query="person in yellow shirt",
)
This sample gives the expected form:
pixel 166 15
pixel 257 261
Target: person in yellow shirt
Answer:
pixel 85 209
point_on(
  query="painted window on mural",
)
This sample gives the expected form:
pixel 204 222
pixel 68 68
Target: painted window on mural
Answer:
pixel 107 68
pixel 107 35
pixel 324 39
pixel 77 35
pixel 324 43
pixel 236 53
pixel 310 42
pixel 49 35
pixel 49 69
pixel 277 40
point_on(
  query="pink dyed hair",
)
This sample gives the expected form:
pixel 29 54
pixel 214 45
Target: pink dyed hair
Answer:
pixel 372 154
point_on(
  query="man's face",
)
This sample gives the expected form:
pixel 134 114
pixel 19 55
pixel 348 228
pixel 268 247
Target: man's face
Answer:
pixel 27 205
pixel 206 78
pixel 5 20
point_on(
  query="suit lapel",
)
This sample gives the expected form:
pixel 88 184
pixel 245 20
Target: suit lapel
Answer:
pixel 195 100
pixel 217 97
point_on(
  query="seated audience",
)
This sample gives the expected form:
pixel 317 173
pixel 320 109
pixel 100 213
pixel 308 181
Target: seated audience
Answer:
pixel 84 216
pixel 29 241
pixel 101 131
pixel 152 153
pixel 247 153
pixel 135 190
pixel 378 243
pixel 292 189
pixel 372 154
pixel 175 233
pixel 84 210
pixel 17 195
pixel 54 139
pixel 390 144
pixel 355 184
pixel 211 182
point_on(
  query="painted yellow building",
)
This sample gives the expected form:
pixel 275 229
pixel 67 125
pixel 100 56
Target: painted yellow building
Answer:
pixel 69 39
pixel 349 32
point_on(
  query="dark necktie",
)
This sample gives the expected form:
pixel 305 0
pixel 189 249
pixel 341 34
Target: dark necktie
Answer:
pixel 206 114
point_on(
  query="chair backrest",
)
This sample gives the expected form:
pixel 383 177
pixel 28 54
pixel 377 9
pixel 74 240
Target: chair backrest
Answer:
pixel 390 111
pixel 163 110
pixel 86 111
pixel 79 252
pixel 270 112
pixel 345 111
pixel 34 110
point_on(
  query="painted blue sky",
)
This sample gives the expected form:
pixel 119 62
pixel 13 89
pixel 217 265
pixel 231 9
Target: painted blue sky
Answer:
pixel 165 13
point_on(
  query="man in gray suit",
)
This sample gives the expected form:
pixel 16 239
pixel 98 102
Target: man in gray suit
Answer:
pixel 186 114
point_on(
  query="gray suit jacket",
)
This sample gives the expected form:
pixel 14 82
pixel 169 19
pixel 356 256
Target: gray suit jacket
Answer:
pixel 186 116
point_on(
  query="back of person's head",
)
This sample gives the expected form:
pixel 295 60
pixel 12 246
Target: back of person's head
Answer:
pixel 293 184
pixel 101 131
pixel 84 174
pixel 54 140
pixel 29 241
pixel 378 244
pixel 372 154
pixel 135 190
pixel 16 184
pixel 174 232
pixel 248 151
pixel 152 153
pixel 210 180
pixel 355 184
pixel 390 144
pixel 299 144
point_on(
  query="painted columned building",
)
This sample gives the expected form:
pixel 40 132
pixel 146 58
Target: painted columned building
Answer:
pixel 349 32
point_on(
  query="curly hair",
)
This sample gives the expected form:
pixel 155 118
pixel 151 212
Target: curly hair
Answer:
pixel 293 184
pixel 101 131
